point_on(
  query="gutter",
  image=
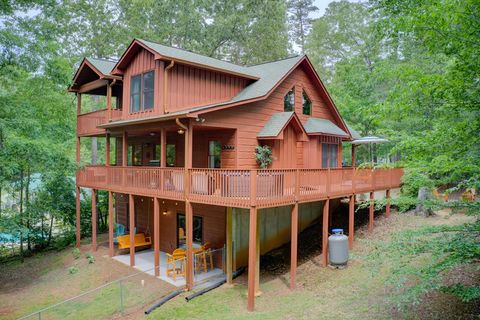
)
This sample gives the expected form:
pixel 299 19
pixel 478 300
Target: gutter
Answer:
pixel 165 85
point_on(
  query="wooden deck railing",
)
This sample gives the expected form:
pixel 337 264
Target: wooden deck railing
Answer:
pixel 239 188
pixel 87 123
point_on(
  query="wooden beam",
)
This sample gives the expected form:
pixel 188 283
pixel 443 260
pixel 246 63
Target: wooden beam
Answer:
pixel 79 104
pixel 124 148
pixel 371 211
pixel 156 236
pixel 294 246
pixel 229 232
pixel 163 147
pixel 351 221
pixel 77 207
pixel 78 151
pixel 109 103
pixel 387 207
pixel 252 255
pixel 189 236
pixel 326 209
pixel 353 155
pixel 110 224
pixel 258 292
pixel 94 220
pixel 107 149
pixel 131 204
pixel 92 85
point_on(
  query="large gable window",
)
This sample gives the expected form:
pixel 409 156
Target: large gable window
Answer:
pixel 289 101
pixel 141 92
pixel 306 104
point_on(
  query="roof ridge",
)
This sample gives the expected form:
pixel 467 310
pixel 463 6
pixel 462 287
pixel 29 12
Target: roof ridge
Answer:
pixel 277 60
pixel 189 51
pixel 102 59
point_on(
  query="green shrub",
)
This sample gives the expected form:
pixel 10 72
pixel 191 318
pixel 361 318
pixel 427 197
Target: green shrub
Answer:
pixel 263 156
pixel 413 180
pixel 76 253
pixel 90 257
pixel 73 270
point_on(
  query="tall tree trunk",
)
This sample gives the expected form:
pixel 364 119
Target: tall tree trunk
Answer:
pixel 27 207
pixel 50 231
pixel 21 213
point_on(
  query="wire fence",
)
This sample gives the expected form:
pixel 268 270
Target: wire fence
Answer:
pixel 130 295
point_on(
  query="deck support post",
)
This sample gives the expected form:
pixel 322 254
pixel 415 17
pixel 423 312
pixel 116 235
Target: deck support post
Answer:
pixel 107 149
pixel 189 236
pixel 258 292
pixel 229 253
pixel 110 224
pixel 94 220
pixel 294 246
pixel 351 221
pixel 156 236
pixel 387 206
pixel 371 211
pixel 163 148
pixel 78 151
pixel 326 210
pixel 77 208
pixel 252 256
pixel 353 156
pixel 109 102
pixel 131 205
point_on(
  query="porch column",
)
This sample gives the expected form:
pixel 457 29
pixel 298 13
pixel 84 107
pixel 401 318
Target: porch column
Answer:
pixel 94 220
pixel 353 155
pixel 77 207
pixel 156 236
pixel 294 246
pixel 189 236
pixel 124 148
pixel 109 102
pixel 326 209
pixel 131 204
pixel 110 224
pixel 252 256
pixel 258 292
pixel 351 220
pixel 107 149
pixel 371 211
pixel 229 252
pixel 163 148
pixel 78 151
pixel 387 207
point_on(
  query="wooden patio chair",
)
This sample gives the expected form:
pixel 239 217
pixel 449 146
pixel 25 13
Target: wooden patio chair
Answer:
pixel 177 256
pixel 206 252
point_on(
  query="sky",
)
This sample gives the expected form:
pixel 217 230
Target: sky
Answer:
pixel 321 5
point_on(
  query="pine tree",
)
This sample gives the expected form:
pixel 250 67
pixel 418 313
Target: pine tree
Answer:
pixel 299 20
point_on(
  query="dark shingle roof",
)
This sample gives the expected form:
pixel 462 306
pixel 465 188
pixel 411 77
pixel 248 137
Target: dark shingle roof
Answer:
pixel 317 125
pixel 102 65
pixel 275 124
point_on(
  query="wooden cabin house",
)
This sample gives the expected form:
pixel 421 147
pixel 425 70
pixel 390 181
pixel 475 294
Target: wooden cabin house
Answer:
pixel 184 170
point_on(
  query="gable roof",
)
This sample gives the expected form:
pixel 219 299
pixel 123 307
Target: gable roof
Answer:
pixel 354 133
pixel 102 65
pixel 277 123
pixel 323 126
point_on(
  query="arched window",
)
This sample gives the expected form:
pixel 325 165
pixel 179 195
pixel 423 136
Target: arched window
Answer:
pixel 289 101
pixel 306 104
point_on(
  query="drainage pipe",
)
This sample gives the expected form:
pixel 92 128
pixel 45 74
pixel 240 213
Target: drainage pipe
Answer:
pixel 164 300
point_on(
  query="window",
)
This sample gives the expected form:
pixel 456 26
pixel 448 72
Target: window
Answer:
pixel 141 92
pixel 214 154
pixel 289 101
pixel 306 104
pixel 197 230
pixel 170 155
pixel 135 93
pixel 329 155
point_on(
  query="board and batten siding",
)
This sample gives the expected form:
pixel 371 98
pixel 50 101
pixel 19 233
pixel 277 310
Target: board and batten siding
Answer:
pixel 249 119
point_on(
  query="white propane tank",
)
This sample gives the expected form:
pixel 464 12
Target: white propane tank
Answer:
pixel 338 248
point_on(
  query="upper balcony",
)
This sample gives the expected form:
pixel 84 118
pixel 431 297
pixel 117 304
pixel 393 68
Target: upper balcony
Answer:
pixel 239 188
pixel 87 123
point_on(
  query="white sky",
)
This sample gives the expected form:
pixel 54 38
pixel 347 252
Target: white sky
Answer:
pixel 321 4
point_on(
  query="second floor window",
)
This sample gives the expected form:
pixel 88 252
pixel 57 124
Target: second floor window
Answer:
pixel 141 92
pixel 289 101
pixel 306 104
pixel 329 155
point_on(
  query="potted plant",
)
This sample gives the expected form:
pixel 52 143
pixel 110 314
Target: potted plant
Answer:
pixel 263 155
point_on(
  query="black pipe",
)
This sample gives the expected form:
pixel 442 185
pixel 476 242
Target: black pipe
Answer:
pixel 163 300
pixel 214 285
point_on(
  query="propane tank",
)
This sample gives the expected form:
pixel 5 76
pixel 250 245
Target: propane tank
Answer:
pixel 338 248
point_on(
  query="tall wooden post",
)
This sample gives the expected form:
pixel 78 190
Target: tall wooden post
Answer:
pixel 229 252
pixel 252 255
pixel 78 151
pixel 326 210
pixel 189 236
pixel 94 220
pixel 131 205
pixel 387 207
pixel 294 246
pixel 371 211
pixel 107 149
pixel 125 149
pixel 110 224
pixel 258 292
pixel 163 148
pixel 77 208
pixel 109 102
pixel 351 221
pixel 156 236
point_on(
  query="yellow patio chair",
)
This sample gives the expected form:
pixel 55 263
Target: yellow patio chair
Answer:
pixel 178 255
pixel 207 251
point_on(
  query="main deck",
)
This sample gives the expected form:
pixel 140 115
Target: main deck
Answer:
pixel 239 188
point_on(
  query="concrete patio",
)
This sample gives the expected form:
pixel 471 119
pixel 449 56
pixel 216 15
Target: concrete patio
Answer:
pixel 144 262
